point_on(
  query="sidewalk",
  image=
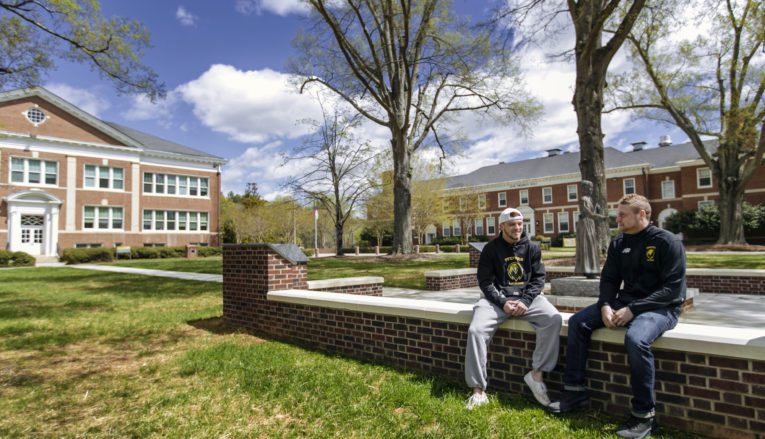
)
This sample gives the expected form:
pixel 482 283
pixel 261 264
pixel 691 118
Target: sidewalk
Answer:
pixel 731 310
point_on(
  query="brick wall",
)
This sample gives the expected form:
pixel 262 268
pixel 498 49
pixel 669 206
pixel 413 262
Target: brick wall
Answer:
pixel 359 290
pixel 433 283
pixel 705 283
pixel 475 255
pixel 703 393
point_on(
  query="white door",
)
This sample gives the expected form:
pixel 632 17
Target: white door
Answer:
pixel 32 227
pixel 527 227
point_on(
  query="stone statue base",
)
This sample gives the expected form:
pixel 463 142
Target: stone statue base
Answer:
pixel 578 286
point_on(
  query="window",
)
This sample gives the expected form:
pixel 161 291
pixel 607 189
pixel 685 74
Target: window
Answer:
pixel 169 184
pixel 478 226
pixel 456 228
pixel 706 203
pixel 563 222
pixel 86 245
pixel 35 115
pixel 548 220
pixel 102 218
pixel 703 178
pixel 490 230
pixel 462 204
pixel 612 218
pixel 172 220
pixel 576 217
pixel 547 195
pixel 629 186
pixel 33 171
pixel 523 194
pixel 104 177
pixel 445 229
pixel 482 201
pixel 668 189
pixel 502 199
pixel 571 190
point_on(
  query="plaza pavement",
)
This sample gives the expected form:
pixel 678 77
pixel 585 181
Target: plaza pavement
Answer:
pixel 731 310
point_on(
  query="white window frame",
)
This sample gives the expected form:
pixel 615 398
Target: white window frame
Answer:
pixel 181 184
pixel 478 228
pixel 446 229
pixel 523 197
pixel 561 223
pixel 490 226
pixel 551 229
pixel 482 201
pixel 462 204
pixel 544 195
pixel 667 182
pixel 444 205
pixel 96 217
pixel 575 218
pixel 703 203
pixel 624 186
pixel 191 217
pixel 25 172
pixel 569 192
pixel 97 177
pixel 502 199
pixel 456 228
pixel 698 178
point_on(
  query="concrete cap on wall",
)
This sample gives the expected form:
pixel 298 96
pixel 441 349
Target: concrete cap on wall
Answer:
pixel 290 252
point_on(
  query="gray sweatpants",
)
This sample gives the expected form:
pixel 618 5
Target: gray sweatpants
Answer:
pixel 487 317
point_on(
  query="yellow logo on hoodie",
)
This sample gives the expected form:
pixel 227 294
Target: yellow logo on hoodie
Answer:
pixel 650 253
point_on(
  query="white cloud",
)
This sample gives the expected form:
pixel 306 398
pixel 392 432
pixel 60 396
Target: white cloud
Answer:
pixel 278 7
pixel 185 17
pixel 249 106
pixel 162 111
pixel 86 100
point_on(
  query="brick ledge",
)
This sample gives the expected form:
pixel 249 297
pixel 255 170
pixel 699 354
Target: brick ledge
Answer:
pixel 716 340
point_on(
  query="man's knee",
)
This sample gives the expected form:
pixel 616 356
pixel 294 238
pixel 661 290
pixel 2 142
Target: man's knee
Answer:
pixel 634 341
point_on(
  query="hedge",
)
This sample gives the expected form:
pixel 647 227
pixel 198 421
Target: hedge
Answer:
pixel 16 259
pixel 105 254
pixel 83 255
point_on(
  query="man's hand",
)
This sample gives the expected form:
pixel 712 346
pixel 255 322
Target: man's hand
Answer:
pixel 607 314
pixel 623 316
pixel 515 308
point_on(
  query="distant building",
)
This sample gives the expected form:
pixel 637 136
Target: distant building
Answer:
pixel 69 179
pixel 547 189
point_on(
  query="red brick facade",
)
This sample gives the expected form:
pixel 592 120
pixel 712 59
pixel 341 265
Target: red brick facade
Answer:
pixel 706 394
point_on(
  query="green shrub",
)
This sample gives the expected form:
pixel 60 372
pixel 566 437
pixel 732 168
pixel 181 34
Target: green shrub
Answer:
pixel 427 248
pixel 5 258
pixel 83 255
pixel 447 240
pixel 208 251
pixel 21 259
pixel 308 252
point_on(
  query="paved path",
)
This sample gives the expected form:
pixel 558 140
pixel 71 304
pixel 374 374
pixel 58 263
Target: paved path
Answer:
pixel 732 310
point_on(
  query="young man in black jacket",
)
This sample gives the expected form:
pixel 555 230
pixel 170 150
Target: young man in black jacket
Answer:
pixel 651 263
pixel 511 277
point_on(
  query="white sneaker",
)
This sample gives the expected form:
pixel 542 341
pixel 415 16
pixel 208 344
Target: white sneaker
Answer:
pixel 538 388
pixel 476 400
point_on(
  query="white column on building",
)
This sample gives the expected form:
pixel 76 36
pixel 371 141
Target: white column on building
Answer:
pixel 71 194
pixel 52 240
pixel 14 229
pixel 135 203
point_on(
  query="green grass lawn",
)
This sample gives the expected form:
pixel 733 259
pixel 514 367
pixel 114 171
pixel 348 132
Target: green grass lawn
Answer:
pixel 86 353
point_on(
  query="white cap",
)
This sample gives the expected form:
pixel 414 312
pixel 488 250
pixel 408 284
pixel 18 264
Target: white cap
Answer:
pixel 510 214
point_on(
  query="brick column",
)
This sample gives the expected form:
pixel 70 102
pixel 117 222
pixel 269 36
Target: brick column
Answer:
pixel 250 271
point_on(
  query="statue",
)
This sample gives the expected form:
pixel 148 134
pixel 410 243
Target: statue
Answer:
pixel 587 252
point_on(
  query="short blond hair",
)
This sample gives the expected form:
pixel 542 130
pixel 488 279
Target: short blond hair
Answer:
pixel 636 203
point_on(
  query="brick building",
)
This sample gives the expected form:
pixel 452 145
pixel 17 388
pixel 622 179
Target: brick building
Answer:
pixel 547 189
pixel 69 179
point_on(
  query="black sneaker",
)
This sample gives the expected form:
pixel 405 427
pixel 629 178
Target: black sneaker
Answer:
pixel 569 400
pixel 637 428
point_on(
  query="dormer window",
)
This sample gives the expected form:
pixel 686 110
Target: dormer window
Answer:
pixel 35 115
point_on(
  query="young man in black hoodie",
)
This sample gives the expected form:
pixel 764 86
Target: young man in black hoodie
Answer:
pixel 511 277
pixel 651 263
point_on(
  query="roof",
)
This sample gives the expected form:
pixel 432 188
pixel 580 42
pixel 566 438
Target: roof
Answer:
pixel 154 143
pixel 129 136
pixel 666 156
pixel 539 168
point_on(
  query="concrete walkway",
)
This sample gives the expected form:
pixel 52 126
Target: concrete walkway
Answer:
pixel 732 310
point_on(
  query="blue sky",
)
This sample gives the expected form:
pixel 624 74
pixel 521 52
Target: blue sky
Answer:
pixel 224 64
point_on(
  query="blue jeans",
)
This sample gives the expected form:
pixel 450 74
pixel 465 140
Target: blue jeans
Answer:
pixel 642 330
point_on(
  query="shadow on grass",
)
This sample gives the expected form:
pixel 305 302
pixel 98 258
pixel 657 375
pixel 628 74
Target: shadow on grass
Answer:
pixel 216 325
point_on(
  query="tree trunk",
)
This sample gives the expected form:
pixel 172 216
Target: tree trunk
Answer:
pixel 402 194
pixel 588 103
pixel 339 239
pixel 731 213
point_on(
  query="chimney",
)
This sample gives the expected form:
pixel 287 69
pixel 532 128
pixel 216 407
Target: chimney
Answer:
pixel 638 146
pixel 665 141
pixel 553 152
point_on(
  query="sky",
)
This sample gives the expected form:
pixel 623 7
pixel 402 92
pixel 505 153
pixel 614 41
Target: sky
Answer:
pixel 229 93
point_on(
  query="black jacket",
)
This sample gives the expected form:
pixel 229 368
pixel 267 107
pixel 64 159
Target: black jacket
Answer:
pixel 511 271
pixel 651 264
